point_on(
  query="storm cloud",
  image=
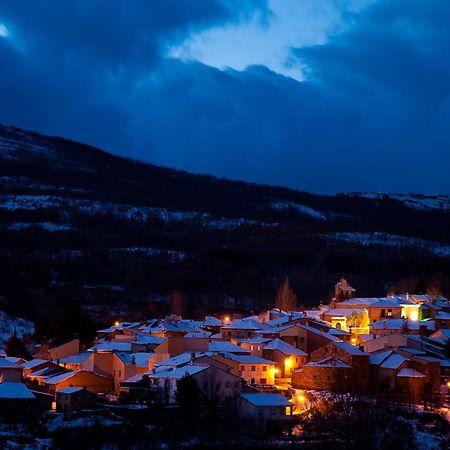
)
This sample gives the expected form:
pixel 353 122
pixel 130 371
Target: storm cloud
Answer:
pixel 372 112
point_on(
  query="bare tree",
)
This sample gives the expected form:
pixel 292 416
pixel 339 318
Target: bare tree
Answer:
pixel 286 299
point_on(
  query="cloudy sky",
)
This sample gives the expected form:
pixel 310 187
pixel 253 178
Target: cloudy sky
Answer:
pixel 319 95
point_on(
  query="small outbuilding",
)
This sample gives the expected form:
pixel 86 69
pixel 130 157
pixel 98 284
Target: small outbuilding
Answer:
pixel 71 399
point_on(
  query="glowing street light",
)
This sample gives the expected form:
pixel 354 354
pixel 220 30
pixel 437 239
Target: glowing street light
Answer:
pixel 116 323
pixel 226 319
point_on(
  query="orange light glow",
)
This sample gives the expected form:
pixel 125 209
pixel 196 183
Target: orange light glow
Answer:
pixel 448 384
pixel 301 398
pixel 353 341
pixel 226 319
pixel 116 323
pixel 288 363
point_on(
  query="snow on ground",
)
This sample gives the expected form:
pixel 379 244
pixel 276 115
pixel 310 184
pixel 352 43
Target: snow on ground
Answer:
pixel 12 148
pixel 415 201
pixel 392 240
pixel 292 206
pixel 47 226
pixel 9 323
pixel 125 212
pixel 172 255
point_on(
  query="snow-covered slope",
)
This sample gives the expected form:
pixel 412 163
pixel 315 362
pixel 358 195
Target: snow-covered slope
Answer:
pixel 9 323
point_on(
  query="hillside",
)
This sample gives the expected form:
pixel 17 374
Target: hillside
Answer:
pixel 79 224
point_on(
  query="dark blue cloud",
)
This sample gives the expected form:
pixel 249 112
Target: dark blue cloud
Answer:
pixel 373 114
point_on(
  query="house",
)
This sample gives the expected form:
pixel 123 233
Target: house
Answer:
pixel 10 371
pixel 307 338
pixel 80 378
pixel 34 365
pixel 15 398
pixel 253 345
pixel 261 410
pixel 403 326
pixel 442 320
pixel 286 357
pixel 343 290
pixel 340 360
pixel 242 328
pixel 226 347
pixel 210 379
pixel 71 399
pixel 331 374
pixel 61 351
pixel 254 370
pixel 79 361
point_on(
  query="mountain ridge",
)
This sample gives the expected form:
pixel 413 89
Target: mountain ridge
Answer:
pixel 151 230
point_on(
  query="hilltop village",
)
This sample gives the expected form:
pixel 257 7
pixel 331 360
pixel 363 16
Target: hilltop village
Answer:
pixel 271 366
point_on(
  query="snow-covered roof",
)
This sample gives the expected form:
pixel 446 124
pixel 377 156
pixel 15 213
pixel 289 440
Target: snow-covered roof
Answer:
pixel 343 312
pixel 245 324
pixel 399 324
pixel 62 377
pixel 443 315
pixel 198 334
pixel 142 338
pixel 387 303
pixel 349 348
pixel 248 359
pixel 394 361
pixel 217 336
pixel 225 346
pixel 15 391
pixel 109 346
pixel 34 363
pixel 284 347
pixel 330 361
pixel 180 360
pixel 6 363
pixel 319 332
pixel 177 372
pixel 337 332
pixel 378 358
pixel 75 359
pixel 285 319
pixel 266 399
pixel 69 390
pixel 366 337
pixel 141 359
pixel 254 340
pixel 211 322
pixel 410 373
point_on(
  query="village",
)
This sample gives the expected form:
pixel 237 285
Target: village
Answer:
pixel 272 366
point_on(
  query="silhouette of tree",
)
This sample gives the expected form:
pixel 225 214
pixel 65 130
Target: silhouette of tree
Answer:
pixel 16 347
pixel 286 299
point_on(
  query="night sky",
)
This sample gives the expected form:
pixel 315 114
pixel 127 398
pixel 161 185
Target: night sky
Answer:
pixel 319 95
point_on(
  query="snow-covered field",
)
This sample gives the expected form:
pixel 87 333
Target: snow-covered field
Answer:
pixel 392 240
pixel 9 323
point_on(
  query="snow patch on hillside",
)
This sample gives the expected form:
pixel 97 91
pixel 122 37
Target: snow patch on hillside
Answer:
pixel 9 323
pixel 392 240
pixel 47 226
pixel 302 209
pixel 414 201
pixel 125 212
